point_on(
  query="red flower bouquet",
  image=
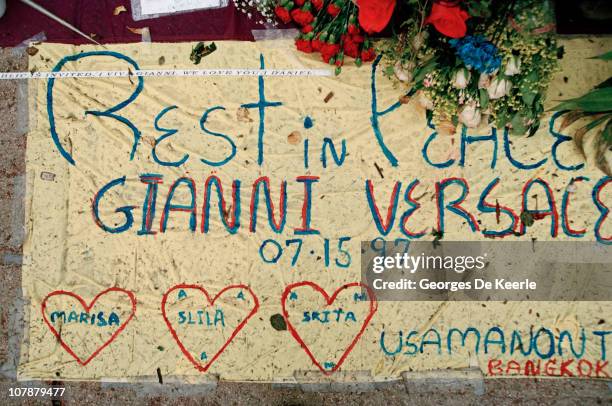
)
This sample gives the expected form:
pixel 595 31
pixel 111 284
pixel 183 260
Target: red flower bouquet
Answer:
pixel 307 28
pixel 303 45
pixel 302 16
pixel 333 10
pixel 368 55
pixel 283 14
pixel 318 4
pixel 351 48
pixel 329 51
pixel 329 27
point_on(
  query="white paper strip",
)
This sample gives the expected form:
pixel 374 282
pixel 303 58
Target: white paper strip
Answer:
pixel 165 73
pixel 167 7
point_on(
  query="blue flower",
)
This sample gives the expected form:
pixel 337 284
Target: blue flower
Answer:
pixel 478 53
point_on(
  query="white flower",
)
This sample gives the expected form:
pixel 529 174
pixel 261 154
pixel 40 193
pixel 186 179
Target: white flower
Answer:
pixel 470 115
pixel 425 101
pixel 499 87
pixel 513 67
pixel 484 81
pixel 402 73
pixel 461 78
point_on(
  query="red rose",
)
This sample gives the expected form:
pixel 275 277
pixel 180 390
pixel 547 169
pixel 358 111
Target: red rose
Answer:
pixel 333 10
pixel 302 17
pixel 368 55
pixel 353 29
pixel 299 3
pixel 351 48
pixel 318 4
pixel 339 62
pixel 307 28
pixel 283 14
pixel 448 19
pixel 374 15
pixel 303 45
pixel 316 44
pixel 357 38
pixel 328 51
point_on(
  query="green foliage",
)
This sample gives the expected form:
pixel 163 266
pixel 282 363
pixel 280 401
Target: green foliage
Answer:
pixel 606 57
pixel 518 123
pixel 596 101
pixel 596 107
pixel 423 70
pixel 528 89
pixel 484 98
pixel 607 133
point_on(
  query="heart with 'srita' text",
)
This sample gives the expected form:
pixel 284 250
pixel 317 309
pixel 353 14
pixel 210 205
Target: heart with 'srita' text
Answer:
pixel 328 327
pixel 82 329
pixel 203 327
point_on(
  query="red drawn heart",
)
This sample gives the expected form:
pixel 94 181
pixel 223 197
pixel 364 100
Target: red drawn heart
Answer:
pixel 198 365
pixel 329 300
pixel 87 308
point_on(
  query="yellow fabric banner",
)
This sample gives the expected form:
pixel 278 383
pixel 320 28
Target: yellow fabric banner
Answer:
pixel 213 225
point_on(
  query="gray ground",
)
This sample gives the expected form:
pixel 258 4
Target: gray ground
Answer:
pixel 12 169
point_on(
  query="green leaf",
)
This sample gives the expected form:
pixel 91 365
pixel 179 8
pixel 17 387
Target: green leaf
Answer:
pixel 502 119
pixel 605 83
pixel 527 218
pixel 518 124
pixel 484 98
pixel 424 70
pixel 607 133
pixel 597 121
pixel 278 322
pixel 596 101
pixel 605 57
pixel 534 128
pixel 201 50
pixel 532 76
pixel 528 95
pixel 538 106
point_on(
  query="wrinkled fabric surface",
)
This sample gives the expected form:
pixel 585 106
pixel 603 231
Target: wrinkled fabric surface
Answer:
pixel 236 276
